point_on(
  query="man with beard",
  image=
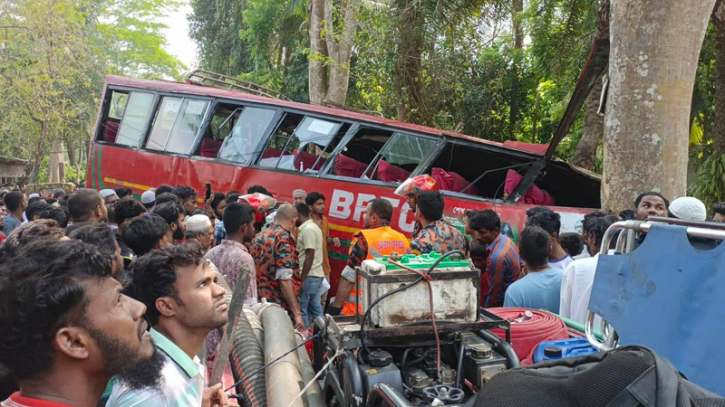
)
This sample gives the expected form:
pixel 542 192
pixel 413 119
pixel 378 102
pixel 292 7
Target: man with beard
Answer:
pixel 67 327
pixel 200 228
pixel 174 214
pixel 183 304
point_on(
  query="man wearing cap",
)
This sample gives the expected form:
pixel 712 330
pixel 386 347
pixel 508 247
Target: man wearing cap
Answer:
pixel 109 196
pixel 298 196
pixel 199 228
pixel 148 199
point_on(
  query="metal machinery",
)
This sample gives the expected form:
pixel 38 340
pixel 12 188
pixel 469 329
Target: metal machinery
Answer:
pixel 391 355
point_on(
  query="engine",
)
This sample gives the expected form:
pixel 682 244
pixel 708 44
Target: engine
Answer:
pixel 390 355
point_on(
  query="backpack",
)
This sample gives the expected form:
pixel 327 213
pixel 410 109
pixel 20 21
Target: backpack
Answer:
pixel 630 376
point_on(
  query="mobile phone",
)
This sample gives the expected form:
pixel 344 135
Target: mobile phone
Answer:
pixel 208 191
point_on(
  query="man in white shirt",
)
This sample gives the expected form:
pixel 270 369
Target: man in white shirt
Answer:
pixel 578 278
pixel 309 247
pixel 183 304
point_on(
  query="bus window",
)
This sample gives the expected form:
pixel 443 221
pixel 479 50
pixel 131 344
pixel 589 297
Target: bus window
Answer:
pixel 165 117
pixel 126 119
pixel 400 156
pixel 458 165
pixel 177 123
pixel 251 125
pixel 222 122
pixel 279 140
pixel 361 150
pixel 133 125
pixel 307 144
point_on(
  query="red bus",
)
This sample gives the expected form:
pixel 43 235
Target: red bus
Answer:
pixel 153 132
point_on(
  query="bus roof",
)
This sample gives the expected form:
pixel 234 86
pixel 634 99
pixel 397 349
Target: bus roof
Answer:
pixel 170 86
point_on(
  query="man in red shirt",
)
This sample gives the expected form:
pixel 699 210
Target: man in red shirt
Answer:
pixel 67 327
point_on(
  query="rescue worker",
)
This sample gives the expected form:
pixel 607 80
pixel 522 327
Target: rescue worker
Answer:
pixel 437 234
pixel 377 239
pixel 263 206
pixel 410 189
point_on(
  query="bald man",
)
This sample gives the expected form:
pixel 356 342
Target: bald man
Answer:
pixel 278 270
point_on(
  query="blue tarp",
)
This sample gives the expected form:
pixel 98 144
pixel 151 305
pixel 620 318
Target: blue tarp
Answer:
pixel 670 297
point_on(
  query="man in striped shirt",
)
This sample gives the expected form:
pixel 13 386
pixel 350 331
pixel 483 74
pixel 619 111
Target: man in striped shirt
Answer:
pixel 503 263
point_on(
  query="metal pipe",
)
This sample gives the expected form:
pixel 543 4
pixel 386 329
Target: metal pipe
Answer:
pixel 313 395
pixel 382 394
pixel 283 379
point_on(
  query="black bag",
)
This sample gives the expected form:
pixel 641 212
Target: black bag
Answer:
pixel 630 376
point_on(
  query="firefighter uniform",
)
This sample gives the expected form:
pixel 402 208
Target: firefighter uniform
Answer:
pixel 368 244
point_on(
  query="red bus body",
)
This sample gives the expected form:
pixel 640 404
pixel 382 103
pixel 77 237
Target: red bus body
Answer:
pixel 112 166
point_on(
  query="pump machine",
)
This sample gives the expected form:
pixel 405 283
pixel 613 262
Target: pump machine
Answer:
pixel 422 339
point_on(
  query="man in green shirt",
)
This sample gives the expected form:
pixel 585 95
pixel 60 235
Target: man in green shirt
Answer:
pixel 183 304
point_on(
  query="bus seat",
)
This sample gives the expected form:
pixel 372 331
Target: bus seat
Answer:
pixel 391 173
pixel 210 147
pixel 534 196
pixel 450 181
pixel 348 167
pixel 110 130
pixel 307 160
pixel 272 152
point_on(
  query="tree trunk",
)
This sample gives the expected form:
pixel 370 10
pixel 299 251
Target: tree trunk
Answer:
pixel 516 9
pixel 318 53
pixel 655 49
pixel 718 136
pixel 340 50
pixel 586 150
pixel 39 152
pixel 412 104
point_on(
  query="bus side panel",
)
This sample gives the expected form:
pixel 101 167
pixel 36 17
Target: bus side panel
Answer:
pixel 113 167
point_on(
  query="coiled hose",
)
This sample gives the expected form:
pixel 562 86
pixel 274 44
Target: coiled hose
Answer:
pixel 247 356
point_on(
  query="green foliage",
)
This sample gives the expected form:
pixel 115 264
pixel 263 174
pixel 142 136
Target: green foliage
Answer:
pixel 710 184
pixel 54 58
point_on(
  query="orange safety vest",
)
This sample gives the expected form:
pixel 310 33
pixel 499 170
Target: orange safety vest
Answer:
pixel 382 241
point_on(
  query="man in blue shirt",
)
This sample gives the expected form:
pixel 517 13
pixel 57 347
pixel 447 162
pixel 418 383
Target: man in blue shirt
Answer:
pixel 16 204
pixel 540 288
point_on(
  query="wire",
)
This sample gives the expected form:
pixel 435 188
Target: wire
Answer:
pixel 261 369
pixel 422 277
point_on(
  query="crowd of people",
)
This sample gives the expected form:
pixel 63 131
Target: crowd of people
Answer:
pixel 107 297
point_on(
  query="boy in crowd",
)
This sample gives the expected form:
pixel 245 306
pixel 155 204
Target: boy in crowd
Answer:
pixel 540 288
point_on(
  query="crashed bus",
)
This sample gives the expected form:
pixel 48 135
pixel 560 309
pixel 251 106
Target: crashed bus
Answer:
pixel 153 132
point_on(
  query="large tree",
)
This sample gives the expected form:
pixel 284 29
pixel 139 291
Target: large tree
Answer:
pixel 332 33
pixel 654 54
pixel 586 150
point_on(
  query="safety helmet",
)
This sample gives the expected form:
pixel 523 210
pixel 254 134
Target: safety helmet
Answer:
pixel 414 185
pixel 261 203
